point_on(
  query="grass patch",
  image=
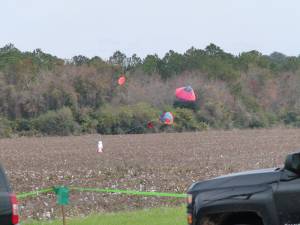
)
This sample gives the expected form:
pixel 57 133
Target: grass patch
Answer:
pixel 156 216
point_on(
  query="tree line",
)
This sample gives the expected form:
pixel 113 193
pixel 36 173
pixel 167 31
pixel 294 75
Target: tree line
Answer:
pixel 41 94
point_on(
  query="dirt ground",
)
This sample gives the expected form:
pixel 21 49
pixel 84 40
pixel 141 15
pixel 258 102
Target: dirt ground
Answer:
pixel 167 162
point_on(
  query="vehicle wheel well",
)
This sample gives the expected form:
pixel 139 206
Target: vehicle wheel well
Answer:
pixel 235 218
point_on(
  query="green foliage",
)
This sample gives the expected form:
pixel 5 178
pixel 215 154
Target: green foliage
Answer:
pixel 250 103
pixel 173 63
pixel 213 50
pixel 281 62
pixel 291 118
pixel 5 128
pixel 258 120
pixel 57 97
pixel 60 122
pixel 253 58
pixel 125 119
pixel 188 105
pixel 86 120
pixel 45 61
pixel 40 93
pixel 236 89
pixel 216 115
pixel 272 118
pixel 134 62
pixel 185 120
pixel 120 59
pixel 9 55
pixel 151 64
pixel 24 125
pixel 80 60
pixel 218 69
pixel 251 120
pixel 11 59
pixel 195 58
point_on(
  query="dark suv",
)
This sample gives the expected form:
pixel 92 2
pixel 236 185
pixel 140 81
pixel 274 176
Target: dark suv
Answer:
pixel 9 214
pixel 260 197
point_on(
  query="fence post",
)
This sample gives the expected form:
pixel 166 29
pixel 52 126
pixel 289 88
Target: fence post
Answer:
pixel 62 194
pixel 63 214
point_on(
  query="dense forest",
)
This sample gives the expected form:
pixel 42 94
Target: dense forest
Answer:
pixel 41 94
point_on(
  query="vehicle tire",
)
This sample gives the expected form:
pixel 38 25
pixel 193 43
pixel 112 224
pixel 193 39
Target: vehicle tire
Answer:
pixel 244 224
pixel 252 221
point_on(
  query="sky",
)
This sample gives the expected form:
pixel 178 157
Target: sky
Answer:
pixel 66 28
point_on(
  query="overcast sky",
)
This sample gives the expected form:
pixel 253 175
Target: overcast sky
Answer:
pixel 99 27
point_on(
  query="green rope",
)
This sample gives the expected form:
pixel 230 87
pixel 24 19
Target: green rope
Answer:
pixel 33 193
pixel 127 192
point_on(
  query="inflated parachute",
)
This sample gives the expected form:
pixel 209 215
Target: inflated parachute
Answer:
pixel 185 94
pixel 122 80
pixel 167 118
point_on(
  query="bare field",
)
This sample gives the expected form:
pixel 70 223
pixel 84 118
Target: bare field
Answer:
pixel 151 162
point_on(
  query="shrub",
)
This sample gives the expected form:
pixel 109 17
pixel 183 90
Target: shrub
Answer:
pixel 5 128
pixel 125 119
pixel 251 120
pixel 188 105
pixel 216 115
pixel 272 118
pixel 258 120
pixel 60 122
pixel 250 103
pixel 23 125
pixel 86 120
pixel 291 118
pixel 186 120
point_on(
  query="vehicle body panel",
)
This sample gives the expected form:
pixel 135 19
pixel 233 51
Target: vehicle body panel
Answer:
pixel 250 191
pixel 5 201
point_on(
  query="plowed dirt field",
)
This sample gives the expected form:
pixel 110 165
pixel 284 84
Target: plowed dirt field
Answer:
pixel 167 162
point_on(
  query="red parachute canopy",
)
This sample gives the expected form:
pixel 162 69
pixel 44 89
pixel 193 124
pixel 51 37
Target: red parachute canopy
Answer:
pixel 150 125
pixel 185 94
pixel 122 80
